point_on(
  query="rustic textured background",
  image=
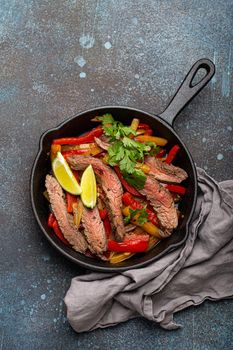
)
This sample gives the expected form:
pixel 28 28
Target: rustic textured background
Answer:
pixel 59 58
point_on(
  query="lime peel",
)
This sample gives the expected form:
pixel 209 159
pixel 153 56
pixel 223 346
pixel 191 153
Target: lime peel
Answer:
pixel 64 175
pixel 88 186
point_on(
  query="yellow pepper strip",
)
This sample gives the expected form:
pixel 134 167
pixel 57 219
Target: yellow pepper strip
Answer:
pixel 134 124
pixel 105 159
pixel 116 258
pixel 152 242
pixel 144 167
pixel 148 226
pixel 54 150
pixel 74 147
pixel 94 151
pixel 145 138
pixel 77 211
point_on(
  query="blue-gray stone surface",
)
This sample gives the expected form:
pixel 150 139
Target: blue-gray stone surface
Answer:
pixel 59 58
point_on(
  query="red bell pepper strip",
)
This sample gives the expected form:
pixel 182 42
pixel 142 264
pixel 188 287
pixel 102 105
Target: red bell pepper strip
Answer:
pixel 88 137
pixel 172 153
pixel 143 126
pixel 107 226
pixel 128 200
pixel 58 232
pixel 125 184
pixel 176 188
pixel 70 200
pixel 103 213
pixel 51 220
pixel 131 246
pixel 148 132
pixel 74 152
pixel 161 153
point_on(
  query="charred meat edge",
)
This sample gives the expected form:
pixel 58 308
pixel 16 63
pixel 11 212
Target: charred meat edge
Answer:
pixel 65 220
pixel 111 186
pixel 165 172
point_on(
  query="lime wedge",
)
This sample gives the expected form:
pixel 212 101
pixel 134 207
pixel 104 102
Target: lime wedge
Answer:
pixel 88 186
pixel 64 175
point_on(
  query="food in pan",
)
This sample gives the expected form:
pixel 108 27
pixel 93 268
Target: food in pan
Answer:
pixel 114 191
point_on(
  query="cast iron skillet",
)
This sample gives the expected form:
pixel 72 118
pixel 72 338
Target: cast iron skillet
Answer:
pixel 162 124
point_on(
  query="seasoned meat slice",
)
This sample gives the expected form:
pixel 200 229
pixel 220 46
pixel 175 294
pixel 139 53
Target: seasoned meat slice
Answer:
pixel 94 230
pixel 111 186
pixel 102 144
pixel 69 230
pixel 162 202
pixel 165 172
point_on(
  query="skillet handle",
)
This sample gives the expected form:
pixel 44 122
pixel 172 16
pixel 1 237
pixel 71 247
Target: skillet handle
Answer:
pixel 186 92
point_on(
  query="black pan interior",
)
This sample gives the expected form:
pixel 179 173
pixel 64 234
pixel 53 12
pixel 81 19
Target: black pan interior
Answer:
pixel 80 124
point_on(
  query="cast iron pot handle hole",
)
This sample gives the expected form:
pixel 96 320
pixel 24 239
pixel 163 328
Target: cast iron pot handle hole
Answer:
pixel 188 90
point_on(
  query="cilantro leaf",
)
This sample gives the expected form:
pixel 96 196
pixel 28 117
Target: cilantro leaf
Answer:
pixel 126 164
pixel 106 119
pixel 136 179
pixel 116 153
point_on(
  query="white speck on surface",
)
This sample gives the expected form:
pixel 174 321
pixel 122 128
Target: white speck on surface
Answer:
pixel 49 281
pixel 41 88
pixel 92 90
pixel 204 139
pixel 82 75
pixel 80 61
pixel 205 167
pixel 229 128
pixel 87 41
pixel 31 312
pixel 220 156
pixel 54 320
pixel 136 76
pixel 43 296
pixel 108 45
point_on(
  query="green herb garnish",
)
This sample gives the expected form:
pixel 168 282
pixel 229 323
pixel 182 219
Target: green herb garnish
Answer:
pixel 126 152
pixel 141 219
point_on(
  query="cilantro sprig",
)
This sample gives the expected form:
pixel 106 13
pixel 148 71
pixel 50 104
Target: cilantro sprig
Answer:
pixel 142 216
pixel 126 152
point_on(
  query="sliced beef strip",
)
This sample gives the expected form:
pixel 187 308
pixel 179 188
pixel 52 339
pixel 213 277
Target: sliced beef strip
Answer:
pixel 94 230
pixel 163 204
pixel 102 144
pixel 165 172
pixel 65 221
pixel 111 186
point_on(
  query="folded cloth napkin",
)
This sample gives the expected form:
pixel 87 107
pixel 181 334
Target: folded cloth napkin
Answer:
pixel 201 269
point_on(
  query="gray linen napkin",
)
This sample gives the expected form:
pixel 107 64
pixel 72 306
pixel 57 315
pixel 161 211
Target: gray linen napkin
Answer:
pixel 201 269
